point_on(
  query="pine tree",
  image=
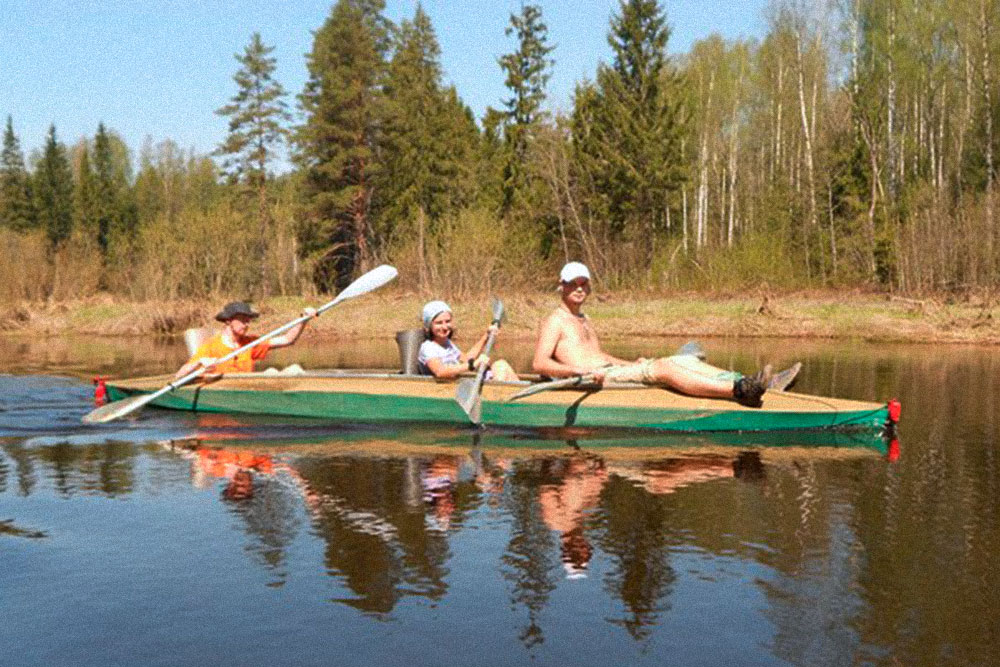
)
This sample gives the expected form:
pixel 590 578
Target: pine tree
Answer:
pixel 628 125
pixel 53 185
pixel 16 207
pixel 257 117
pixel 336 144
pixel 429 140
pixel 528 70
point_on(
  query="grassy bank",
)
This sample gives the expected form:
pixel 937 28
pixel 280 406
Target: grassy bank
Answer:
pixel 853 315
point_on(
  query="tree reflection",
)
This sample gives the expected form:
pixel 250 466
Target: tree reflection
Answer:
pixel 374 525
pixel 24 467
pixel 107 469
pixel 529 562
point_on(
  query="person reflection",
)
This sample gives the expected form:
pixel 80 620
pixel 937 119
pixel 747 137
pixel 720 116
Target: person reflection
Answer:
pixel 439 480
pixel 667 476
pixel 490 477
pixel 240 487
pixel 564 505
pixel 234 466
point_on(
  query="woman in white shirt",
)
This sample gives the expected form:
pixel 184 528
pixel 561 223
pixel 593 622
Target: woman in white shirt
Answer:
pixel 440 357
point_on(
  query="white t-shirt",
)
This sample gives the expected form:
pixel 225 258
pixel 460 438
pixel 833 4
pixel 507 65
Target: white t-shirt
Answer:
pixel 447 353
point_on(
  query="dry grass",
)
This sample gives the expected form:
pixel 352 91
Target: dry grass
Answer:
pixel 855 315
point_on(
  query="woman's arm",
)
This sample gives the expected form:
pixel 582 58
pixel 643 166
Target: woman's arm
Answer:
pixel 477 349
pixel 444 371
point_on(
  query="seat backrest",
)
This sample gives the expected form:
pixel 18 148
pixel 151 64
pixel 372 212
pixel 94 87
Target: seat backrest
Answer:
pixel 409 342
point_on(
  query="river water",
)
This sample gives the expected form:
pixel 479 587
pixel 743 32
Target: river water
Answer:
pixel 175 539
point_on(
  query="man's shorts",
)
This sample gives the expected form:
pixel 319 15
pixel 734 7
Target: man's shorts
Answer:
pixel 640 371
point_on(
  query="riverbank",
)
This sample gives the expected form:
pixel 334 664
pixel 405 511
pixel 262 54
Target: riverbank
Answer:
pixel 840 315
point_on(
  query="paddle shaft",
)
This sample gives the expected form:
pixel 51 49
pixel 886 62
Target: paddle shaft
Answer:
pixel 487 348
pixel 554 384
pixel 469 397
pixel 354 289
pixel 371 280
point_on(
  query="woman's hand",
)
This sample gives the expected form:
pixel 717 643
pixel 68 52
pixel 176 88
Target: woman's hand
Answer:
pixel 481 360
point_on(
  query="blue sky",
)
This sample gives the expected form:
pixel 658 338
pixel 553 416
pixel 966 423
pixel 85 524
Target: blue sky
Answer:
pixel 160 68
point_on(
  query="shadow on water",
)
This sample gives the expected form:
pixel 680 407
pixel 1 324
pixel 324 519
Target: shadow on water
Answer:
pixel 367 544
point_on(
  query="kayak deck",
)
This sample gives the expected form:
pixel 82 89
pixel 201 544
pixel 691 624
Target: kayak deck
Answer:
pixel 386 397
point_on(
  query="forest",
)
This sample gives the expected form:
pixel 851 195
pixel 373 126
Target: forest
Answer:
pixel 853 146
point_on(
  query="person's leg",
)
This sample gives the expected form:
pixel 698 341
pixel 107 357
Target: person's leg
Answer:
pixel 696 365
pixel 682 377
pixel 745 390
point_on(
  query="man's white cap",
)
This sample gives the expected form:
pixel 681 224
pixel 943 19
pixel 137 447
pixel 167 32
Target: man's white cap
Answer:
pixel 432 309
pixel 574 270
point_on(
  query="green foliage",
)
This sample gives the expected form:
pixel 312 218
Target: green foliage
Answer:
pixel 627 126
pixel 53 187
pixel 115 209
pixel 429 139
pixel 527 71
pixel 16 207
pixel 257 116
pixel 779 163
pixel 342 102
pixel 85 208
pixel 760 260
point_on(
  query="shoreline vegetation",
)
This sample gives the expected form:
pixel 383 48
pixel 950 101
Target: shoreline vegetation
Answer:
pixel 856 315
pixel 787 159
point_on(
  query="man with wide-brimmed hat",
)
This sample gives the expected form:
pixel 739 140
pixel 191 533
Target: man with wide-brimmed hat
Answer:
pixel 236 316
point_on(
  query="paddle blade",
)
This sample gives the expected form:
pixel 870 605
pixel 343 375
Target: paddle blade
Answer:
pixel 534 389
pixel 498 310
pixel 117 409
pixel 553 384
pixel 468 397
pixel 374 279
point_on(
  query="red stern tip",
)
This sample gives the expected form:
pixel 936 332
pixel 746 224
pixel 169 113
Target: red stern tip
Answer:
pixel 894 410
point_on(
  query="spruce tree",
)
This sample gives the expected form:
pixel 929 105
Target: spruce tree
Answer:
pixel 528 70
pixel 429 139
pixel 53 185
pixel 627 126
pixel 84 193
pixel 16 207
pixel 257 117
pixel 336 144
pixel 107 207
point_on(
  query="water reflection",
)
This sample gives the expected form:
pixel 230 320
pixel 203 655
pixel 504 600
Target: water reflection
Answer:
pixel 387 522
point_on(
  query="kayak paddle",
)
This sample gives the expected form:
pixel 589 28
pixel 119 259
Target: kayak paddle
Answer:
pixel 553 384
pixel 470 390
pixel 370 281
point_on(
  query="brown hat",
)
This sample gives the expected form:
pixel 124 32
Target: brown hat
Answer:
pixel 235 308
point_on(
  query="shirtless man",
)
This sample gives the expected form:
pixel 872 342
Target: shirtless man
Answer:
pixel 567 346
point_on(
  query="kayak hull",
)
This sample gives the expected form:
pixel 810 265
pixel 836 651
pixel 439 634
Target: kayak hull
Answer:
pixel 386 398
